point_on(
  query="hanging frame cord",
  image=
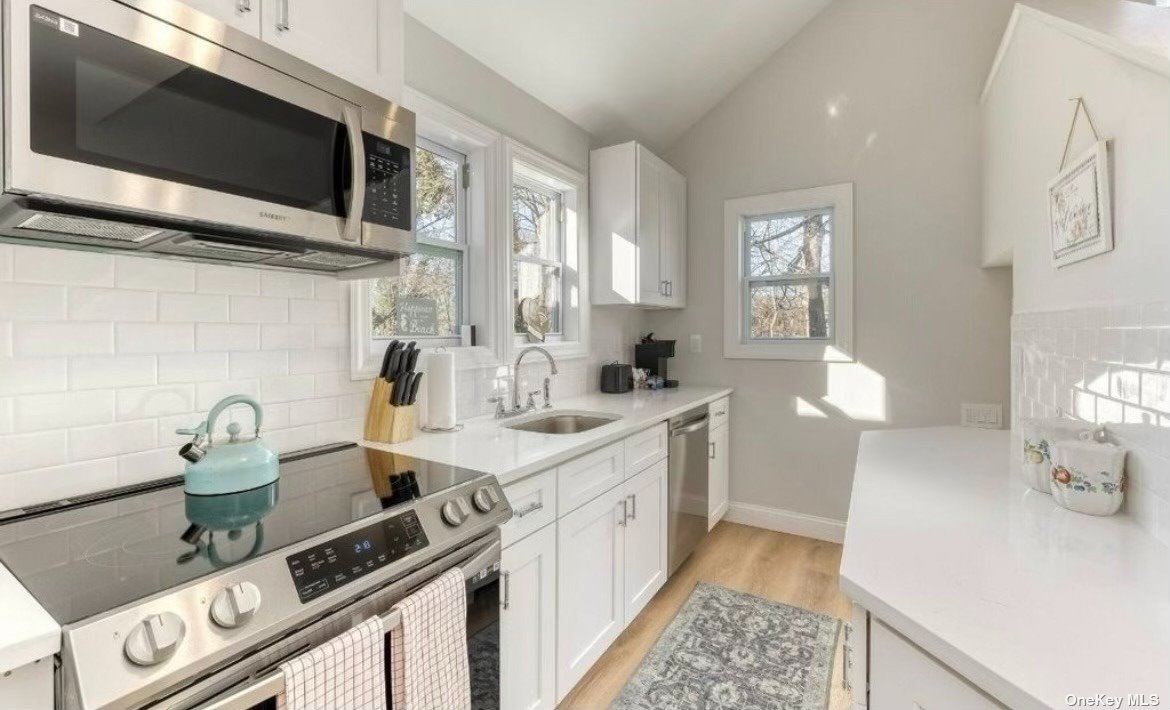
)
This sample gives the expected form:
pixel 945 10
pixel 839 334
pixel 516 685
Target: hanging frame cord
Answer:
pixel 1073 127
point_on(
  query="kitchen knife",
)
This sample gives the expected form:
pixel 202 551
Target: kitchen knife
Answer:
pixel 412 361
pixel 410 398
pixel 401 386
pixel 395 363
pixel 394 344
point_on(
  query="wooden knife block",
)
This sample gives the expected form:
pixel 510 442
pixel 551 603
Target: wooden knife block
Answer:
pixel 384 423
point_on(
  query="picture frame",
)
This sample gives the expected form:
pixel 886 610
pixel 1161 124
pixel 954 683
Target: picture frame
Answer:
pixel 1080 210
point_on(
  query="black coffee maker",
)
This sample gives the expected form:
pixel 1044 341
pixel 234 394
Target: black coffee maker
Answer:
pixel 651 355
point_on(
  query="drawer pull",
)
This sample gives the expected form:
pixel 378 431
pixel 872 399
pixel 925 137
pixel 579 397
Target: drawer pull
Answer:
pixel 529 509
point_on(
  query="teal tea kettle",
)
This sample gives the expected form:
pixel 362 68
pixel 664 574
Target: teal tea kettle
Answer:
pixel 231 466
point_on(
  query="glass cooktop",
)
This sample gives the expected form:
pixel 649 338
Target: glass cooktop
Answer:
pixel 82 558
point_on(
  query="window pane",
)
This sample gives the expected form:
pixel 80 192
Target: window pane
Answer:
pixel 534 224
pixel 784 244
pixel 791 310
pixel 437 189
pixel 542 284
pixel 425 300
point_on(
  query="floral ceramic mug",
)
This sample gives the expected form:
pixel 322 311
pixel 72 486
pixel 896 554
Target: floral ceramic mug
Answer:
pixel 1088 476
pixel 1038 437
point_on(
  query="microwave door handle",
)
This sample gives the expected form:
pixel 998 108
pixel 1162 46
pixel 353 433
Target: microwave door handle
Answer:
pixel 352 229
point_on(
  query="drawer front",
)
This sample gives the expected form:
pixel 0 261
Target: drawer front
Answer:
pixel 720 412
pixel 581 480
pixel 646 448
pixel 534 505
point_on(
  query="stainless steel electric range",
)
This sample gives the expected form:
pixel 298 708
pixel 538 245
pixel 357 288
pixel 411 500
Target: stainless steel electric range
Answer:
pixel 178 601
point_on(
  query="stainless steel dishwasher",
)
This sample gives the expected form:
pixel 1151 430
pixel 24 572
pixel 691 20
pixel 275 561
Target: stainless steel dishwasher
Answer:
pixel 688 485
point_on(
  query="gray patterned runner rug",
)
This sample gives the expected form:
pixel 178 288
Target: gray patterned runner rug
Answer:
pixel 734 651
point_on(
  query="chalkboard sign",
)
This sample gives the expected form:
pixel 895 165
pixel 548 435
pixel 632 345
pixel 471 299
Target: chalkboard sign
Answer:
pixel 417 316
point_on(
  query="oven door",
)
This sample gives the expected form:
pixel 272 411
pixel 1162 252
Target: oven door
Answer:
pixel 261 685
pixel 109 107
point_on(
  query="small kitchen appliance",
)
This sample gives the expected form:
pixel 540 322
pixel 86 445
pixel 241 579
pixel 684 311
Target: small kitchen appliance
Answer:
pixel 651 355
pixel 616 378
pixel 147 624
pixel 231 466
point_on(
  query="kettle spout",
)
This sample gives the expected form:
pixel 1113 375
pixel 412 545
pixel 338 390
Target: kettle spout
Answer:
pixel 194 450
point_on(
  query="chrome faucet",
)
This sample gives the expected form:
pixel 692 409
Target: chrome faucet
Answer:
pixel 516 378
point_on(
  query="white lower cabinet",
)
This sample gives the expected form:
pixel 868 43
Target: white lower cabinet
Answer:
pixel 528 618
pixel 718 474
pixel 590 584
pixel 903 676
pixel 645 538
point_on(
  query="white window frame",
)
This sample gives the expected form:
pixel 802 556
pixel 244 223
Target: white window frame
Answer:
pixel 442 126
pixel 523 163
pixel 838 347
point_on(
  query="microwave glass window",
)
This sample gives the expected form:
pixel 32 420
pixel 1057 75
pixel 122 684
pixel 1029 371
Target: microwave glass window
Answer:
pixel 106 101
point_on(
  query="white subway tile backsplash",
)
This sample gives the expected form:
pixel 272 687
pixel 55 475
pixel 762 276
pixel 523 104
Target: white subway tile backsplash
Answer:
pixel 259 309
pixel 112 439
pixel 208 394
pixel 5 339
pixel 258 363
pixel 25 451
pixel 136 338
pixel 227 280
pixel 43 484
pixel 192 308
pixel 48 339
pixel 286 337
pixel 286 284
pixel 154 274
pixel 27 376
pixel 330 336
pixel 110 371
pixel 192 367
pixel 5 262
pixel 220 337
pixel 156 401
pixel 60 410
pixel 315 361
pixel 7 417
pixel 20 301
pixel 312 411
pixel 337 383
pixel 111 304
pixel 62 266
pixel 145 466
pixel 286 389
pixel 317 312
pixel 326 288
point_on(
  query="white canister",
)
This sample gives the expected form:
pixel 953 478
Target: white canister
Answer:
pixel 1088 476
pixel 1038 437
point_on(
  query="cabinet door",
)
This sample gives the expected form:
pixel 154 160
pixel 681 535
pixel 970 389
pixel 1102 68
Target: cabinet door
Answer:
pixel 241 14
pixel 590 566
pixel 528 617
pixel 903 676
pixel 645 538
pixel 673 236
pixel 361 42
pixel 651 288
pixel 718 473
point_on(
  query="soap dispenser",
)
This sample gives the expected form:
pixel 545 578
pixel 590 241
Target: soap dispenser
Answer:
pixel 231 466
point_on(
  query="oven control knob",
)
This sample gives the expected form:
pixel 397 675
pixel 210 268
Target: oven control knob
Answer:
pixel 455 511
pixel 486 499
pixel 155 639
pixel 234 606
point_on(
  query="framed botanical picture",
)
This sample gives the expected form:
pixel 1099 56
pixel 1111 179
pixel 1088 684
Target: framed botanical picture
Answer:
pixel 1079 210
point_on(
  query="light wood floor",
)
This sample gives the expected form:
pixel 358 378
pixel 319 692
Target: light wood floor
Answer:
pixel 785 568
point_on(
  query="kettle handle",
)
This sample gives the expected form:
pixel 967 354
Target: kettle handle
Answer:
pixel 229 401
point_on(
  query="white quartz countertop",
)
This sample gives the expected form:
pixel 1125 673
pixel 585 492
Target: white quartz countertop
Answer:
pixel 27 632
pixel 486 445
pixel 1028 601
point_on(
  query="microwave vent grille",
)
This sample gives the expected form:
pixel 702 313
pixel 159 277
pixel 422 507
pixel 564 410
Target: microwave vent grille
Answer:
pixel 190 246
pixel 86 227
pixel 340 261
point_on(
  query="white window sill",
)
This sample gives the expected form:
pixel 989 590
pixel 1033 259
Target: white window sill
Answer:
pixel 799 352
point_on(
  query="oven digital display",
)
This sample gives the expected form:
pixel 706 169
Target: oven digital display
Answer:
pixel 331 565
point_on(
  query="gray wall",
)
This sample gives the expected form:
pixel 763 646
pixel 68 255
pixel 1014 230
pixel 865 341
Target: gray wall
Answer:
pixel 932 327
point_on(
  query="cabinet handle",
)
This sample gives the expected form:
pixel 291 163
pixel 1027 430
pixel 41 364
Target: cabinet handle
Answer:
pixel 282 19
pixel 506 597
pixel 633 506
pixel 529 509
pixel 669 288
pixel 243 6
pixel 625 513
pixel 710 449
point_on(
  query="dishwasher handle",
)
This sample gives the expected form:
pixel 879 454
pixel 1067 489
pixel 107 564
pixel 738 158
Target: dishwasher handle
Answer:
pixel 689 427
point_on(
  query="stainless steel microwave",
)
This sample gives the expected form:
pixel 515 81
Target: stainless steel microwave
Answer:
pixel 145 126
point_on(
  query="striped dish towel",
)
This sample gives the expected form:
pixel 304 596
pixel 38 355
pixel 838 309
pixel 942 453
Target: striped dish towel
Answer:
pixel 428 656
pixel 348 671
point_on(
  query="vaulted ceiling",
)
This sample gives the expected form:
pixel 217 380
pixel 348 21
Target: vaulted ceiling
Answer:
pixel 621 69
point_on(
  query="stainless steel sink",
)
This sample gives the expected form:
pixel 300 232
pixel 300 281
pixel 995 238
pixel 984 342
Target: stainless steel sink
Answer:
pixel 563 422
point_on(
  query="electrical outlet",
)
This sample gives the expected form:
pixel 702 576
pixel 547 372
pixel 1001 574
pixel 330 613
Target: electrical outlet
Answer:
pixel 696 343
pixel 982 416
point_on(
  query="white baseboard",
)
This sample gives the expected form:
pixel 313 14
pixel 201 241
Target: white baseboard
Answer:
pixel 787 521
pixel 716 515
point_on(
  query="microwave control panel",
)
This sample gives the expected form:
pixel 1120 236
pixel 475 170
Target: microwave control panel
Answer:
pixel 334 564
pixel 388 184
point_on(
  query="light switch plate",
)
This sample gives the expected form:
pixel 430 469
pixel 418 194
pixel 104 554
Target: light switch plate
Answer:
pixel 696 343
pixel 982 416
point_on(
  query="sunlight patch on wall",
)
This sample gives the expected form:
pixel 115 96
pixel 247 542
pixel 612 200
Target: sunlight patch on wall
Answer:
pixel 623 267
pixel 805 408
pixel 857 391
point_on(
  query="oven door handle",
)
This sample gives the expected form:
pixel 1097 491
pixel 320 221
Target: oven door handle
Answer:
pixel 352 229
pixel 272 685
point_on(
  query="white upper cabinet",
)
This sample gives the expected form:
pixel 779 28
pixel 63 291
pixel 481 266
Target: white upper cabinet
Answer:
pixel 638 208
pixel 359 40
